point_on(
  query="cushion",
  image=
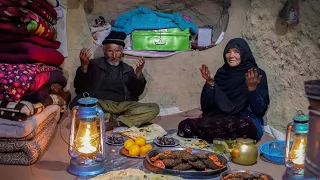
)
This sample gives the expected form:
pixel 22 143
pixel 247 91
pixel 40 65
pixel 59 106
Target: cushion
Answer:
pixel 23 52
pixel 9 37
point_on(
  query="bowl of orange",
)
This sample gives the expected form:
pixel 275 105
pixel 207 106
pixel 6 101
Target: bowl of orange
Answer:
pixel 137 148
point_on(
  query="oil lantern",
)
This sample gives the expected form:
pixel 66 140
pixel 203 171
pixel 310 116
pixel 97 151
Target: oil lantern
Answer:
pixel 294 157
pixel 87 141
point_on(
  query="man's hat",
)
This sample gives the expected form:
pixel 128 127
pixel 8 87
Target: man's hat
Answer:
pixel 115 37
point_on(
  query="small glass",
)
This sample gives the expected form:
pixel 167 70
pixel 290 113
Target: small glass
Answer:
pixel 218 146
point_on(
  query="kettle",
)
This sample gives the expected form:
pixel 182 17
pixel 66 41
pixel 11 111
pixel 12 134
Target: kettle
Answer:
pixel 244 151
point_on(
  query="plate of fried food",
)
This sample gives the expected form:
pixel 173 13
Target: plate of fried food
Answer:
pixel 186 161
pixel 245 175
pixel 166 141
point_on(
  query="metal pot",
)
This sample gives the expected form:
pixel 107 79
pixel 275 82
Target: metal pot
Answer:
pixel 312 161
pixel 244 152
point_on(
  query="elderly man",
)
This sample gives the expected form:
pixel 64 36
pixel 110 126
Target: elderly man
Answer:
pixel 114 83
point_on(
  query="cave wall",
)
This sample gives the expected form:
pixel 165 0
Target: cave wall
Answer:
pixel 289 55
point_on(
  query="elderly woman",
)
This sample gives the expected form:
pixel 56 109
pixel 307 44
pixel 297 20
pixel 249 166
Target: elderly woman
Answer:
pixel 234 101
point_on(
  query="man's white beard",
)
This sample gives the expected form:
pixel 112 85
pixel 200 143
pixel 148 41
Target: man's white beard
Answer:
pixel 114 63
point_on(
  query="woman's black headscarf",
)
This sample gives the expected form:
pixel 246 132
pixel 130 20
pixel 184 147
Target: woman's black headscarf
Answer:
pixel 231 81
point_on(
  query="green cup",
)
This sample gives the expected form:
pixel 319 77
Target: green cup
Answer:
pixel 218 146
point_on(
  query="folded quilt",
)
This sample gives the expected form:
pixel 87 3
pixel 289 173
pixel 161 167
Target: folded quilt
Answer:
pixel 21 111
pixel 28 129
pixel 41 7
pixel 22 21
pixel 27 152
pixel 18 79
pixel 46 78
pixel 23 52
pixel 10 37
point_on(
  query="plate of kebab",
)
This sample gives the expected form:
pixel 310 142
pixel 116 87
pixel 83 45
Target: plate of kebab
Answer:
pixel 186 161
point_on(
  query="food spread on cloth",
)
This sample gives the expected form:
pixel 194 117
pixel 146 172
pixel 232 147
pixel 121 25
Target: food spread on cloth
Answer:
pixel 133 174
pixel 148 132
pixel 136 148
pixel 184 160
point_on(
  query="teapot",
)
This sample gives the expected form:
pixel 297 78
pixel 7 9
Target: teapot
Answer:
pixel 244 151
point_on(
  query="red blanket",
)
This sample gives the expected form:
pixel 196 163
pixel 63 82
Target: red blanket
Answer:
pixel 10 37
pixel 23 52
pixel 16 79
pixel 23 21
pixel 41 7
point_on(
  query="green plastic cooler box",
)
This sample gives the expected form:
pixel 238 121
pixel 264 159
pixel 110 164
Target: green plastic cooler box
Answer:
pixel 172 39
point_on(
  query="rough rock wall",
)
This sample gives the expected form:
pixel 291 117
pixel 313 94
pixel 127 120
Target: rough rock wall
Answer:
pixel 289 56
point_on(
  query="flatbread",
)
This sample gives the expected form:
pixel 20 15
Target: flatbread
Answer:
pixel 126 174
pixel 148 132
pixel 133 174
pixel 193 143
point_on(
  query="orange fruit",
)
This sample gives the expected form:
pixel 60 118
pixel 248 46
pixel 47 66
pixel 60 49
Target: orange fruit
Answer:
pixel 128 144
pixel 143 151
pixel 134 150
pixel 140 141
pixel 149 146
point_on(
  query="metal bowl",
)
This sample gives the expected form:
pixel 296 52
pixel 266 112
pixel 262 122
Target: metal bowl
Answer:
pixel 224 174
pixel 155 152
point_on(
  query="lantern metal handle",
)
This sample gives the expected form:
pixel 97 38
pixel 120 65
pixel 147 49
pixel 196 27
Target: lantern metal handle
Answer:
pixel 86 95
pixel 299 112
pixel 102 134
pixel 72 132
pixel 288 138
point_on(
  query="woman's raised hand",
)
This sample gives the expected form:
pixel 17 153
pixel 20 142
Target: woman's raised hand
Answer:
pixel 205 73
pixel 252 79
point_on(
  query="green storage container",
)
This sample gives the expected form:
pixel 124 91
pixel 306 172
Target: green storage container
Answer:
pixel 172 39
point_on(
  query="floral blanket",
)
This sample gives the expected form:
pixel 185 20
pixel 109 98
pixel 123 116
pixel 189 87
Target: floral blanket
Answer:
pixel 24 21
pixel 41 7
pixel 16 79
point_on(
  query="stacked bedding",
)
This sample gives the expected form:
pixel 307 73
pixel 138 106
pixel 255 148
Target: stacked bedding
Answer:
pixel 30 79
pixel 30 34
pixel 24 142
